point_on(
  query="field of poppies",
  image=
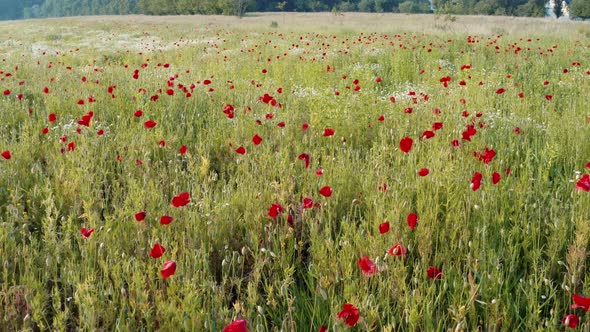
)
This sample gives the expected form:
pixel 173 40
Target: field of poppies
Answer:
pixel 217 174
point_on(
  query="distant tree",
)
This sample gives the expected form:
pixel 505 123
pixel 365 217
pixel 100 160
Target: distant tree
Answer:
pixel 483 8
pixel 281 5
pixel 557 9
pixel 580 8
pixel 366 6
pixel 121 7
pixel 408 7
pixel 317 6
pixel 382 6
pixel 186 6
pixel 448 7
pixel 534 8
pixel 240 7
pixel 346 6
pixel 15 9
pixel 148 7
pixel 414 6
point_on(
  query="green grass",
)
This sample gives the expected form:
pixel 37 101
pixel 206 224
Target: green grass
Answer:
pixel 512 254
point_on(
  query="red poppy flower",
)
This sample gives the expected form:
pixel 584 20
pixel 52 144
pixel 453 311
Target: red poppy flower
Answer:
pixel 423 172
pixel 238 325
pixel 157 251
pixel 326 191
pixel 45 131
pixel 434 273
pixel 549 97
pixel 275 210
pixel 182 150
pixel 412 220
pixel 323 329
pixel 397 250
pixel 427 134
pixel 206 82
pixel 406 144
pixel 319 172
pixel 138 113
pixel 229 111
pixel 304 156
pixel 588 165
pixel 476 181
pixel 328 132
pixel 181 200
pixel 349 314
pixel 71 146
pixel 500 91
pixel 170 92
pixel 581 302
pixel 85 121
pixel 140 216
pixel 266 98
pixel 496 177
pixel 304 126
pixel 241 150
pixel 169 269
pixel 6 92
pixel 6 154
pixel 437 126
pixel 384 227
pixel 86 232
pixel 455 143
pixel 100 132
pixel 307 203
pixel 486 156
pixel 150 124
pixel 166 220
pixel 45 90
pixel 256 139
pixel 51 117
pixel 469 132
pixel 367 266
pixel 378 80
pixel 571 321
pixel 582 185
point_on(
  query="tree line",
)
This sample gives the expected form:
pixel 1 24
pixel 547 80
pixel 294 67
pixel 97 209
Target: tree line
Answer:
pixel 17 9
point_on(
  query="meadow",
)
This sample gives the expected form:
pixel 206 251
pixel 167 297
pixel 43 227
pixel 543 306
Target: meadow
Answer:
pixel 294 172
